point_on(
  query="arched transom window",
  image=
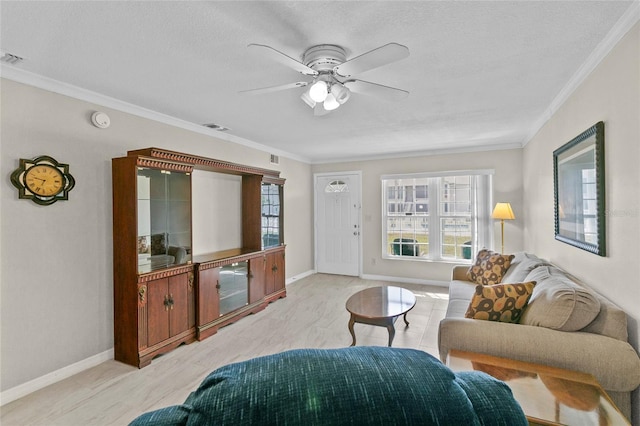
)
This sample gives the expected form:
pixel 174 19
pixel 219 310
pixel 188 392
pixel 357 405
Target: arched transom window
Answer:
pixel 336 186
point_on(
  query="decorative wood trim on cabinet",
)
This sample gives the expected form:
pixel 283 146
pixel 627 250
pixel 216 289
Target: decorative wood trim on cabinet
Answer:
pixel 204 163
pixel 274 180
pixel 165 273
pixel 165 165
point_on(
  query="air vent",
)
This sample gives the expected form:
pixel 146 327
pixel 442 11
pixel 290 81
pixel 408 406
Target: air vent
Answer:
pixel 275 159
pixel 217 127
pixel 10 58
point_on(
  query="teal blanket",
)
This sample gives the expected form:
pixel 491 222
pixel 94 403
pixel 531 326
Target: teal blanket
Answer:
pixel 351 386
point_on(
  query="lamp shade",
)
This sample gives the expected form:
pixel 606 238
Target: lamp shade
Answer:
pixel 307 99
pixel 318 91
pixel 503 211
pixel 330 103
pixel 340 92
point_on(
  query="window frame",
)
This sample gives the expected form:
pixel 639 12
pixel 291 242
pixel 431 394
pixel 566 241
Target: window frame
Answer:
pixel 480 191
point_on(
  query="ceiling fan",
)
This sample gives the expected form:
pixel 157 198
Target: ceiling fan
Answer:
pixel 332 74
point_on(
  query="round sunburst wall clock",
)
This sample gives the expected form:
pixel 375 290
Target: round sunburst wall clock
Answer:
pixel 43 180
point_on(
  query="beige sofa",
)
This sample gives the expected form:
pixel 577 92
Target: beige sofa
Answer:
pixel 565 325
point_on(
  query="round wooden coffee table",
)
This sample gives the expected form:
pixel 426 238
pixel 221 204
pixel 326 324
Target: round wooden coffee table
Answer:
pixel 380 306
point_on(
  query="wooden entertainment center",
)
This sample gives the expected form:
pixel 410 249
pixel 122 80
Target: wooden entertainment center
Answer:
pixel 164 296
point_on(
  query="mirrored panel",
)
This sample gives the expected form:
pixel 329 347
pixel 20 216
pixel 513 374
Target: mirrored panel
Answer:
pixel 164 219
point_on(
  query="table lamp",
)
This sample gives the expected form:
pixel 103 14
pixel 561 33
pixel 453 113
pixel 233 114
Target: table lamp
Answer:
pixel 503 211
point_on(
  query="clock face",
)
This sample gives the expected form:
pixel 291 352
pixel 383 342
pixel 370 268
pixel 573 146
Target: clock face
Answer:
pixel 44 180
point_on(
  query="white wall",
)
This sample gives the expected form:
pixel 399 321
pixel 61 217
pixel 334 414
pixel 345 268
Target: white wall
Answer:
pixel 507 185
pixel 56 305
pixel 611 93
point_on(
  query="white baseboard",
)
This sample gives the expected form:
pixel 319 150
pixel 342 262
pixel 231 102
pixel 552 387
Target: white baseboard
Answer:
pixel 405 280
pixel 300 276
pixel 55 376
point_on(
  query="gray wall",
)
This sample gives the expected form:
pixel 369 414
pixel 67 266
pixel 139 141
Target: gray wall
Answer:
pixel 507 185
pixel 611 93
pixel 56 271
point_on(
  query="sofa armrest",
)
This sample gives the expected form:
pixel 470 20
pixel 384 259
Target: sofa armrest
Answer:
pixel 614 363
pixel 459 273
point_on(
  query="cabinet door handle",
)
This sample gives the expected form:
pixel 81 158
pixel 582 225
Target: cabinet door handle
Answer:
pixel 274 268
pixel 218 286
pixel 168 302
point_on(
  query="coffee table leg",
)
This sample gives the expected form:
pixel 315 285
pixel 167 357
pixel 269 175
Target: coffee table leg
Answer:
pixel 352 321
pixel 392 332
pixel 405 319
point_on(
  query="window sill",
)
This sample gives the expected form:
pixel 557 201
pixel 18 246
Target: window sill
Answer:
pixel 428 260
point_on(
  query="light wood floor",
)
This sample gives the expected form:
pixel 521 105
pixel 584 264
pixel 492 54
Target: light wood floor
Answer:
pixel 313 315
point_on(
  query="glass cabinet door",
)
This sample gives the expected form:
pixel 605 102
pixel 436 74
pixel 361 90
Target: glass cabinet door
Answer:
pixel 234 287
pixel 271 214
pixel 164 218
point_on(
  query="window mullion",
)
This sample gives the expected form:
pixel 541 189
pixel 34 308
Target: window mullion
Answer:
pixel 434 218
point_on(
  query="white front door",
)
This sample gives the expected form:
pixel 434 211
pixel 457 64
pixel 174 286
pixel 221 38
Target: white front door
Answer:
pixel 337 224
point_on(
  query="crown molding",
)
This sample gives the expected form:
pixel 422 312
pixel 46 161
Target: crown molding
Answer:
pixel 45 83
pixel 630 17
pixel 424 153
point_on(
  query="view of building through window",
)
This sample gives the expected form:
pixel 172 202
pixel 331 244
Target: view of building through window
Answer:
pixel 433 217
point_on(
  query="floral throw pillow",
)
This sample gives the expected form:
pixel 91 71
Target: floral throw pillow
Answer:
pixel 489 268
pixel 500 302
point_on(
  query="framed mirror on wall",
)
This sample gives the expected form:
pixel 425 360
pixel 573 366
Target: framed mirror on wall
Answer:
pixel 579 191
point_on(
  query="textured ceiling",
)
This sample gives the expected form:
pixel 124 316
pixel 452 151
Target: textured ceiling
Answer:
pixel 480 74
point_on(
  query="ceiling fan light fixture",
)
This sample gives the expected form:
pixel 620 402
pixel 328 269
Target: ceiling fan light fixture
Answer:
pixel 340 92
pixel 330 103
pixel 318 91
pixel 307 99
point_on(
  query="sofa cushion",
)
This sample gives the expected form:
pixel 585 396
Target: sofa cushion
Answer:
pixel 489 267
pixel 461 290
pixel 500 302
pixel 611 321
pixel 460 293
pixel 558 302
pixel 521 265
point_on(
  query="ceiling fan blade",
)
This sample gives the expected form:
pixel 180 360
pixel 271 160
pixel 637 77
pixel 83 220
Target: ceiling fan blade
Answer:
pixel 377 90
pixel 373 59
pixel 282 58
pixel 274 88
